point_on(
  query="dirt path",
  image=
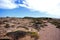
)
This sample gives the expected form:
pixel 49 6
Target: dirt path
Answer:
pixel 50 33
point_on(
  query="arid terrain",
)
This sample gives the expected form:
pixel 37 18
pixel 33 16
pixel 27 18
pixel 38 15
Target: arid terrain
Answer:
pixel 28 28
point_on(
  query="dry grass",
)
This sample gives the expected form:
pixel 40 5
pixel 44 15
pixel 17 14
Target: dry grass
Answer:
pixel 56 23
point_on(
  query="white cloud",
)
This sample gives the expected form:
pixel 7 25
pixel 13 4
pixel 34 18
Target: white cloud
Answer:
pixel 8 4
pixel 52 7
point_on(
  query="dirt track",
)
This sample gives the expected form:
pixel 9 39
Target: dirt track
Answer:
pixel 49 33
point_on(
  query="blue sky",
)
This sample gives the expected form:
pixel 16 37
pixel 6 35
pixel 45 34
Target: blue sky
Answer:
pixel 29 8
pixel 20 12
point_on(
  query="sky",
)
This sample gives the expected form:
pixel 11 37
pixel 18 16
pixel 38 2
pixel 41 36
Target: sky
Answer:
pixel 30 8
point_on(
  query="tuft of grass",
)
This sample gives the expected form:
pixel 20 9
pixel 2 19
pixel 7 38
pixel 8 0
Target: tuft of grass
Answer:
pixel 33 34
pixel 38 23
pixel 5 20
pixel 7 26
pixel 56 23
pixel 23 27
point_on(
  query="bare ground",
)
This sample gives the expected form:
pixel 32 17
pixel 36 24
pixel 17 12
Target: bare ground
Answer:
pixel 50 32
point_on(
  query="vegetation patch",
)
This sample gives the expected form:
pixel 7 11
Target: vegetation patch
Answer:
pixel 7 26
pixel 56 23
pixel 33 34
pixel 23 27
pixel 16 34
pixel 38 23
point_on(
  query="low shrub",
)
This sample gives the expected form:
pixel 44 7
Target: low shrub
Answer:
pixel 33 34
pixel 16 34
pixel 5 20
pixel 7 26
pixel 56 23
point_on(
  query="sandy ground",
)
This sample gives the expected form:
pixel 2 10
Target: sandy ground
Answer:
pixel 49 33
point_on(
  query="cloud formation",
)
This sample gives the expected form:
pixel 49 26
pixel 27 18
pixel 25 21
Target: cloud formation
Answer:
pixel 8 4
pixel 11 4
pixel 51 7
